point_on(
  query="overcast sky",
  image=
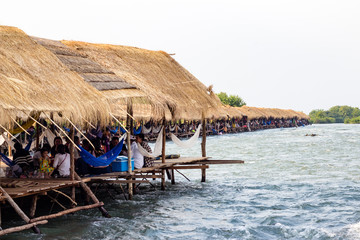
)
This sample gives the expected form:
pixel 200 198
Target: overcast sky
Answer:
pixel 302 55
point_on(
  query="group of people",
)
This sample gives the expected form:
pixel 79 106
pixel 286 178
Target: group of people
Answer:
pixel 46 162
pixel 55 161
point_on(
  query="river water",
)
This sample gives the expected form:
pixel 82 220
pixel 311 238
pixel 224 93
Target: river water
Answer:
pixel 291 186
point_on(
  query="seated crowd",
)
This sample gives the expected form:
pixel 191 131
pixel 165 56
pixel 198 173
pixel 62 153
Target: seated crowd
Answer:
pixel 55 161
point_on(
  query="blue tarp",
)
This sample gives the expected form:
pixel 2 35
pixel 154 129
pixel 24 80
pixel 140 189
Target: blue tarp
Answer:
pixel 105 159
pixel 6 160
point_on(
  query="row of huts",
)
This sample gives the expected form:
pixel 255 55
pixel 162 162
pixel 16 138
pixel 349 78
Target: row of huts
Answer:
pixel 82 85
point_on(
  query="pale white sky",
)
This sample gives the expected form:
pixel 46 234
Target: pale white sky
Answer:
pixel 301 55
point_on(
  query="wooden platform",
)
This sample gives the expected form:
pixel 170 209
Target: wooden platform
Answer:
pixel 17 187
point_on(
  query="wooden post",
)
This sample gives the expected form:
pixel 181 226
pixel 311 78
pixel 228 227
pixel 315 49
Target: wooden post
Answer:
pixel 33 206
pixel 92 196
pixel 72 163
pixel 37 137
pixel 129 126
pixel 172 176
pixel 163 154
pixel 203 145
pixel 18 210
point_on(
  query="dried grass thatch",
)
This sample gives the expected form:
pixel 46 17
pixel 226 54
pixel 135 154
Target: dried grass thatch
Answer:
pixel 112 86
pixel 157 74
pixel 276 113
pixel 52 87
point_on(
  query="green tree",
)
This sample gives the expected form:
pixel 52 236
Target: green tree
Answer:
pixel 232 100
pixel 336 114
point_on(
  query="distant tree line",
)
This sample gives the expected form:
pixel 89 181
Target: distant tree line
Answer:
pixel 336 114
pixel 232 100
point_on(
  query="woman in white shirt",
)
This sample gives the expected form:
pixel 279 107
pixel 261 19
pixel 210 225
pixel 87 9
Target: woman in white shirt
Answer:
pixel 62 162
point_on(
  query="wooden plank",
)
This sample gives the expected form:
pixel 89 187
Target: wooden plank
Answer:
pixel 126 181
pixel 190 167
pixel 219 162
pixel 147 176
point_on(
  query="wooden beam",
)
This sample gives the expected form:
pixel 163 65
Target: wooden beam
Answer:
pixel 148 176
pixel 218 162
pixel 21 228
pixel 33 206
pixel 190 167
pixel 92 196
pixel 59 214
pixel 203 146
pixel 18 210
pixel 129 125
pixel 126 181
pixel 163 153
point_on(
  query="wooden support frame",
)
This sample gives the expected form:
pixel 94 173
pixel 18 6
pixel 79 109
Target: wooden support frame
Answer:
pixel 18 210
pixel 203 145
pixel 92 196
pixel 129 125
pixel 163 154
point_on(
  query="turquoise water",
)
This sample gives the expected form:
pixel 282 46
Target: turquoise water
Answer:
pixel 291 186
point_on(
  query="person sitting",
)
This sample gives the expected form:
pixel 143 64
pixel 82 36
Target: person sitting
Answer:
pixel 114 142
pixel 23 162
pixel 44 163
pixel 62 161
pixel 148 162
pixel 135 153
pixel 37 155
pixel 54 150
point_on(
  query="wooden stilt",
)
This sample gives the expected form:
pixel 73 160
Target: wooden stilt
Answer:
pixel 203 146
pixel 163 154
pixel 92 196
pixel 129 125
pixel 18 210
pixel 37 137
pixel 33 206
pixel 172 176
pixel 72 163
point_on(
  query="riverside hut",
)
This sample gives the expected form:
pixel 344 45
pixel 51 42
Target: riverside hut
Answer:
pixel 34 80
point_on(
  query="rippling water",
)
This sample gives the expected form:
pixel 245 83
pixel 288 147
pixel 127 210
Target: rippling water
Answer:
pixel 291 186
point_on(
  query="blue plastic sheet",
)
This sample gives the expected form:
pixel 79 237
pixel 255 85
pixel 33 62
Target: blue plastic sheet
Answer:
pixel 105 159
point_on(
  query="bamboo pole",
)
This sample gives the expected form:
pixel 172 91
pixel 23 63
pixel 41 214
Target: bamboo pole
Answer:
pixel 203 145
pixel 35 120
pixel 33 206
pixel 62 213
pixel 72 162
pixel 80 132
pixel 129 123
pixel 92 195
pixel 22 228
pixel 163 154
pixel 66 135
pixel 37 136
pixel 18 210
pixel 18 124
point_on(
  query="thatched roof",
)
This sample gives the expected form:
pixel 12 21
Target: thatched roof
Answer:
pixel 256 113
pixel 43 83
pixel 112 86
pixel 157 74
